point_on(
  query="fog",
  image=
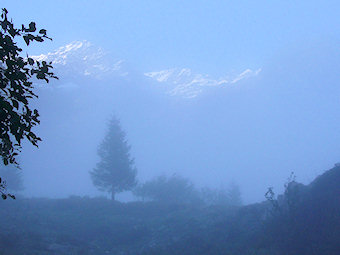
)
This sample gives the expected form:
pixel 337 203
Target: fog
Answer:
pixel 216 114
pixel 254 132
pixel 174 127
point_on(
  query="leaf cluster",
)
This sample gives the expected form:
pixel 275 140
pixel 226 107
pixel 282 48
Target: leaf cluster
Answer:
pixel 16 88
pixel 3 190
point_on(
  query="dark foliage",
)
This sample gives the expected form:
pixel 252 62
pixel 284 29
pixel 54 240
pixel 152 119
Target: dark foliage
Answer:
pixel 307 218
pixel 16 88
pixel 3 190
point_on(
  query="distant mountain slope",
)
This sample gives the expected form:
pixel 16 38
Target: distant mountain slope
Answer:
pixel 83 59
pixel 189 84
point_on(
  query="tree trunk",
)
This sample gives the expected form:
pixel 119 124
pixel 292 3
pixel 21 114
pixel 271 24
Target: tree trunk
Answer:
pixel 112 195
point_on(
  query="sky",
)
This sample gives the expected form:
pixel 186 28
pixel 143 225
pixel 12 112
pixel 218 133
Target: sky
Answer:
pixel 208 36
pixel 254 133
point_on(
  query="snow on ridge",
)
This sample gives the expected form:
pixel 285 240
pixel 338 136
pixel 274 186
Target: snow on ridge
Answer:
pixel 60 55
pixel 245 74
pixel 83 58
pixel 161 76
pixel 188 84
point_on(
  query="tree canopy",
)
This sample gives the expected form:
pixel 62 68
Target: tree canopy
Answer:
pixel 180 190
pixel 173 189
pixel 115 172
pixel 17 118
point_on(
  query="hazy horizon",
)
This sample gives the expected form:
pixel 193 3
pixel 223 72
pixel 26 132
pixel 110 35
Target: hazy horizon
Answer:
pixel 218 92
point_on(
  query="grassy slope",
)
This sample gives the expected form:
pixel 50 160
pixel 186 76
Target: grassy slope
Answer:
pixel 99 226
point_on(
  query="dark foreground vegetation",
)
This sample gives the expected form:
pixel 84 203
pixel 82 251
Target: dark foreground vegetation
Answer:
pixel 304 220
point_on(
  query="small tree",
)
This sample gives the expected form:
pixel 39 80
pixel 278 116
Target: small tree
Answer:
pixel 225 196
pixel 116 171
pixel 174 189
pixel 234 195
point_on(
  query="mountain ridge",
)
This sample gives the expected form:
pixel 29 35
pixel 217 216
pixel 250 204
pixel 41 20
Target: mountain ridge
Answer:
pixel 83 59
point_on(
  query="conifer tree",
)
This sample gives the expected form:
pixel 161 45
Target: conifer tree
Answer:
pixel 115 172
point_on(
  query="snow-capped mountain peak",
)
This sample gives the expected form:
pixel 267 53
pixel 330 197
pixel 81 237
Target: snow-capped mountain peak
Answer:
pixel 186 83
pixel 81 61
pixel 83 58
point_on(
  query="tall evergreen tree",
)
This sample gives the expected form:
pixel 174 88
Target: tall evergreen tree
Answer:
pixel 115 172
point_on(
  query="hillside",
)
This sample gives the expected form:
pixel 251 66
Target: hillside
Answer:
pixel 307 221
